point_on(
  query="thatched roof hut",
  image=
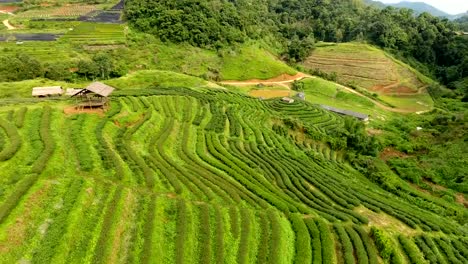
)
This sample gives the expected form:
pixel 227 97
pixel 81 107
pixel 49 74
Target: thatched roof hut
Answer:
pixel 359 116
pixel 96 88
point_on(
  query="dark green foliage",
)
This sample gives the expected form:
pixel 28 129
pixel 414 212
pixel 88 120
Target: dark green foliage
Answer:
pixel 383 243
pixel 302 244
pixel 13 146
pixel 198 23
pixel 19 67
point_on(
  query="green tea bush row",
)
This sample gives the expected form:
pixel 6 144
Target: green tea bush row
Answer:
pixel 200 115
pixel 181 231
pixel 430 243
pixel 411 250
pixel 264 243
pixel 19 191
pixel 82 147
pixel 346 245
pixel 328 248
pixel 220 229
pixel 106 228
pixel 148 232
pixel 235 129
pixel 205 234
pixel 49 143
pixel 426 250
pixel 460 247
pixel 20 115
pixel 358 245
pixel 315 237
pixel 15 140
pixel 447 251
pixel 57 229
pixel 368 244
pixel 243 253
pixel 218 118
pixel 302 241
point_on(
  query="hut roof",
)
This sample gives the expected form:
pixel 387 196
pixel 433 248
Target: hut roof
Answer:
pixel 345 112
pixel 46 91
pixel 73 91
pixel 100 89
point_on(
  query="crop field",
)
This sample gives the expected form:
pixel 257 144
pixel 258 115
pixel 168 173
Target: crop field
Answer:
pixel 366 67
pixel 65 11
pixel 177 175
pixel 96 34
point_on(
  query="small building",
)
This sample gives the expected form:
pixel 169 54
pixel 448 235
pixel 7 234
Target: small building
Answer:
pixel 362 117
pixel 47 91
pixel 287 100
pixel 465 33
pixel 96 95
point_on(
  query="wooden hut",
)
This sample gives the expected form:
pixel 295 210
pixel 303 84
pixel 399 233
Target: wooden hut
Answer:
pixel 96 95
pixel 47 91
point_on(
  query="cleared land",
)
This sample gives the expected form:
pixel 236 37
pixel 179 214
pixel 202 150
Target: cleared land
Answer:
pixel 181 176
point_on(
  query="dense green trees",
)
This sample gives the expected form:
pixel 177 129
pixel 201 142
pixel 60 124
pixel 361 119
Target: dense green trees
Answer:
pixel 428 43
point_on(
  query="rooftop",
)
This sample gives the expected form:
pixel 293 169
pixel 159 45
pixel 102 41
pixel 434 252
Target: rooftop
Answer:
pixel 345 112
pixel 46 91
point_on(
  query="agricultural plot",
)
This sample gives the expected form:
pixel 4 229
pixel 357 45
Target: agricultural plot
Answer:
pixel 366 67
pixel 65 11
pixel 182 176
pixel 96 34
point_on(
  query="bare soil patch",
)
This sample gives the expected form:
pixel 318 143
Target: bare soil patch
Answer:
pixel 372 131
pixel 73 111
pixel 8 9
pixel 269 93
pixel 384 221
pixel 389 153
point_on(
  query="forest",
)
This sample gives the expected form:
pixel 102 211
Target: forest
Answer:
pixel 429 44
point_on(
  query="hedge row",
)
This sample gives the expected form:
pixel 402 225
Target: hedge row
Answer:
pixel 49 143
pixel 15 140
pixel 302 241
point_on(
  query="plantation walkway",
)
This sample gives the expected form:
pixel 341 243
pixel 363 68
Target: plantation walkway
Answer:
pixel 285 80
pixel 7 24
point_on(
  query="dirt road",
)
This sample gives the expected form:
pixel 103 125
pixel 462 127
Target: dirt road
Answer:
pixel 285 80
pixel 8 25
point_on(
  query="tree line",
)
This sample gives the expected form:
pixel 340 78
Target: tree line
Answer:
pixel 428 43
pixel 23 67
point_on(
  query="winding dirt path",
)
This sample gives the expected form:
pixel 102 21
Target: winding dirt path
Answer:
pixel 7 24
pixel 285 80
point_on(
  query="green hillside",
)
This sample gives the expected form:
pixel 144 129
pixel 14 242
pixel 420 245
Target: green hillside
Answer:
pixel 184 176
pixel 365 67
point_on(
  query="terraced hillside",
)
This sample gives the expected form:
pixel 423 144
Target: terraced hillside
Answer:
pixel 366 67
pixel 184 176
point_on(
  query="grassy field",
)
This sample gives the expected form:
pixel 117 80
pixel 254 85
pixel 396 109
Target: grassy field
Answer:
pixel 200 176
pixel 367 67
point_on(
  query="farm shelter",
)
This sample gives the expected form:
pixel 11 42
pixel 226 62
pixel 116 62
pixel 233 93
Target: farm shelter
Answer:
pixel 362 117
pixel 47 91
pixel 96 95
pixel 288 100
